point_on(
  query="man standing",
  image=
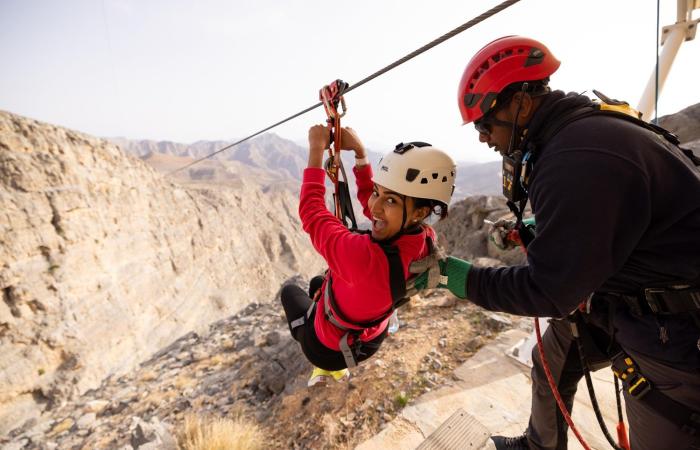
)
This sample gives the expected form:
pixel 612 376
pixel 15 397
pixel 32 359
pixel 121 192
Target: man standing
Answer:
pixel 617 204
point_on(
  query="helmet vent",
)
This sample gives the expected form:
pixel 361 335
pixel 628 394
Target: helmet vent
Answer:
pixel 470 100
pixel 424 181
pixel 535 57
pixel 411 174
pixel 444 179
pixel 435 175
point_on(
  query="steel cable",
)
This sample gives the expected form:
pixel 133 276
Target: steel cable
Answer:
pixel 491 12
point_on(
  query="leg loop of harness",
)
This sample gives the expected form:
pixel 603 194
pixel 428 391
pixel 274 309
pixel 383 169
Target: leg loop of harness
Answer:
pixel 346 349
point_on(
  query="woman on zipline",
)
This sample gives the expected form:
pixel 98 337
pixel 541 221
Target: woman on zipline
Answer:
pixel 367 271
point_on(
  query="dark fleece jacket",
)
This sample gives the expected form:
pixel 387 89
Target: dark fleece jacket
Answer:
pixel 618 209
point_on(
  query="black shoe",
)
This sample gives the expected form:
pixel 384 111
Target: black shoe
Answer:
pixel 511 443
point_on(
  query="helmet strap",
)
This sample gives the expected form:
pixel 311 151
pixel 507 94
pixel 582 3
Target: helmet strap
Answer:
pixel 404 216
pixel 516 130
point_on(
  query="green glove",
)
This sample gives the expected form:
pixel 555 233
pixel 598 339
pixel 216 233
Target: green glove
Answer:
pixel 436 271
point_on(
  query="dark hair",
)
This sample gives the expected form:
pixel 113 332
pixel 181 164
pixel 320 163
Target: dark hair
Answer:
pixel 436 207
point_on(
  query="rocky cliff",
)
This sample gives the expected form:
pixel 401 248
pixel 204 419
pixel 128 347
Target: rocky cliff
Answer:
pixel 103 261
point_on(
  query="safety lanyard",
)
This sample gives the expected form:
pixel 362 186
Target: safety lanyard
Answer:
pixel 332 96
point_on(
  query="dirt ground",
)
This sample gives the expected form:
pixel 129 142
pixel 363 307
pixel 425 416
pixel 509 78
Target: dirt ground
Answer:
pixel 436 335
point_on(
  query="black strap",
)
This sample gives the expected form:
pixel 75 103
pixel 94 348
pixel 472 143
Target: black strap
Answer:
pixel 689 153
pixel 397 285
pixel 397 282
pixel 343 197
pixel 662 300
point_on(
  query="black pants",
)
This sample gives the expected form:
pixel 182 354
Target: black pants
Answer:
pixel 296 304
pixel 648 428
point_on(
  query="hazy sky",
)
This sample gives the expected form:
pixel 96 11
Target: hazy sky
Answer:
pixel 186 70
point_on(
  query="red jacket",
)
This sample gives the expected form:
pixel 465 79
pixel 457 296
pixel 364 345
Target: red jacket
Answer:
pixel 359 267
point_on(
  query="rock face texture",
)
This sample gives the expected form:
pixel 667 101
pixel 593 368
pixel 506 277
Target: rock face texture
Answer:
pixel 465 235
pixel 103 261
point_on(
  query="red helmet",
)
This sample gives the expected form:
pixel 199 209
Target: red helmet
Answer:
pixel 504 61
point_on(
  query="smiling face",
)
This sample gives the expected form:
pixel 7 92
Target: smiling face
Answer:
pixel 387 210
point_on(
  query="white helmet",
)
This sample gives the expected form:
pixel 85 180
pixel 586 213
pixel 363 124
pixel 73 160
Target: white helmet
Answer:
pixel 417 169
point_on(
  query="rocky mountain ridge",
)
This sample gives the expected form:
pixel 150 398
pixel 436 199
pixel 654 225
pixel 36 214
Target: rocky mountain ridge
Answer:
pixel 274 161
pixel 104 261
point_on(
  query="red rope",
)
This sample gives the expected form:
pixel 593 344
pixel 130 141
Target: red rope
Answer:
pixel 548 372
pixel 553 387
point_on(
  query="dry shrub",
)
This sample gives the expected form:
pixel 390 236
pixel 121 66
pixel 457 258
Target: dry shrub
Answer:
pixel 219 434
pixel 183 382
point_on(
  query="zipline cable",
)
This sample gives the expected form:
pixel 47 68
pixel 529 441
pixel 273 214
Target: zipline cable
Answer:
pixel 656 68
pixel 493 11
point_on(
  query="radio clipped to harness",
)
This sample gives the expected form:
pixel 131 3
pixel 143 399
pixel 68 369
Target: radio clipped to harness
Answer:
pixel 513 189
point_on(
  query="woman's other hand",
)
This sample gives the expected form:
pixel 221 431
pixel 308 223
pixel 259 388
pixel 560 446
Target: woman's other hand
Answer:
pixel 351 141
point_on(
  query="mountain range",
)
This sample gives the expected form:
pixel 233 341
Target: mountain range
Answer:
pixel 274 162
pixel 271 160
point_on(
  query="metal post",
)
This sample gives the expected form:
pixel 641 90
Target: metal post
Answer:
pixel 671 40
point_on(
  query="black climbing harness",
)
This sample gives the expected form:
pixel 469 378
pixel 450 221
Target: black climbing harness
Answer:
pixel 665 300
pixel 350 342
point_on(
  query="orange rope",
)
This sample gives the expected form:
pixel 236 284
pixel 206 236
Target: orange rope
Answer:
pixel 553 387
pixel 621 429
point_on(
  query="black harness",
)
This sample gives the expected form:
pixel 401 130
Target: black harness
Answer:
pixel 665 300
pixel 350 343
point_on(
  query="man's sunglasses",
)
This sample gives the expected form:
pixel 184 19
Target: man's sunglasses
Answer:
pixel 485 125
